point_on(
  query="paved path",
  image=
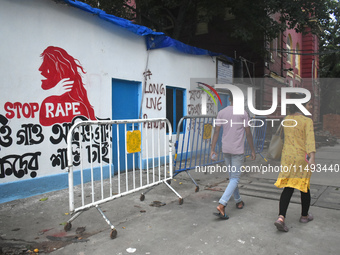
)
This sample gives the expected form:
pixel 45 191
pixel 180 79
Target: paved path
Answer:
pixel 190 228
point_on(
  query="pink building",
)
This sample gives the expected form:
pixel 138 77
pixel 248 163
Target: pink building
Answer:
pixel 293 61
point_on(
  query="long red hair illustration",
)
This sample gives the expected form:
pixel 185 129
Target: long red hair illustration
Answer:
pixel 63 79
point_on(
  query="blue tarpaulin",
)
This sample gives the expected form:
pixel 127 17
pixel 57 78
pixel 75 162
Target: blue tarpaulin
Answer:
pixel 162 41
pixel 154 40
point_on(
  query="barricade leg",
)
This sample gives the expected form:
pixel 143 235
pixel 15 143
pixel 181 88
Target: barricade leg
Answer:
pixel 193 180
pixel 263 157
pixel 68 225
pixel 174 191
pixel 142 196
pixel 168 183
pixel 113 233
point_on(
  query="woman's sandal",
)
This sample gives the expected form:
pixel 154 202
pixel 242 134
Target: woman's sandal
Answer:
pixel 280 224
pixel 240 203
pixel 221 216
pixel 306 219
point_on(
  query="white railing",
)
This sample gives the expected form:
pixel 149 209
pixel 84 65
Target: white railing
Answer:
pixel 114 158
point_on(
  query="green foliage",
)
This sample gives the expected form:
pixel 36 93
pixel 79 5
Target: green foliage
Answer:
pixel 119 8
pixel 180 17
pixel 330 44
pixel 251 19
pixel 269 17
pixel 330 60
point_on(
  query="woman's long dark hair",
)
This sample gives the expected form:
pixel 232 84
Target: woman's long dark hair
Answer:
pixel 67 66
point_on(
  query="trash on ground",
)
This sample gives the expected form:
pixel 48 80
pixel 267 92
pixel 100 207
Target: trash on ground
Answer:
pixel 131 250
pixel 241 241
pixel 80 230
pixel 157 203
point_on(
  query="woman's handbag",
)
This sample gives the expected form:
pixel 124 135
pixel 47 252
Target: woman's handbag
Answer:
pixel 276 144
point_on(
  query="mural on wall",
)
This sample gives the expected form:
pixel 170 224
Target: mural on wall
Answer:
pixel 66 104
pixel 59 68
pixel 154 94
pixel 195 105
pixel 14 164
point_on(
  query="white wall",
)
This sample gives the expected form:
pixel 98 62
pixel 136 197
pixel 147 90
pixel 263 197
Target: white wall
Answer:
pixel 104 50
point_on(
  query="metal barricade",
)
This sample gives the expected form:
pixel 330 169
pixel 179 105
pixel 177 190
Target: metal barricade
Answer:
pixel 193 145
pixel 114 158
pixel 258 127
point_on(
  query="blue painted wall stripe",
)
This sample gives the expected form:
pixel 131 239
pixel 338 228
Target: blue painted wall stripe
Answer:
pixel 27 188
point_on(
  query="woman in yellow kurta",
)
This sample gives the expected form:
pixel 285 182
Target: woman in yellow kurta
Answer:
pixel 297 155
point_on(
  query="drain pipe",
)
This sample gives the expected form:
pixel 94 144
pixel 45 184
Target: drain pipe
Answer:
pixel 145 74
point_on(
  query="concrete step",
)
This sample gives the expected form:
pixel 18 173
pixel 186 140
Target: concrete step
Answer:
pixel 321 195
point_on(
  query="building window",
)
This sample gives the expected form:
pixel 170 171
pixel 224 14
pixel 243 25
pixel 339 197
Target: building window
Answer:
pixel 175 101
pixel 315 69
pixel 271 50
pixel 278 45
pixel 297 58
pixel 289 48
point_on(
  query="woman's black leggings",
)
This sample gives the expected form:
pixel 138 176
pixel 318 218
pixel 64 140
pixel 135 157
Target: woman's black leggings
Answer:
pixel 285 199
